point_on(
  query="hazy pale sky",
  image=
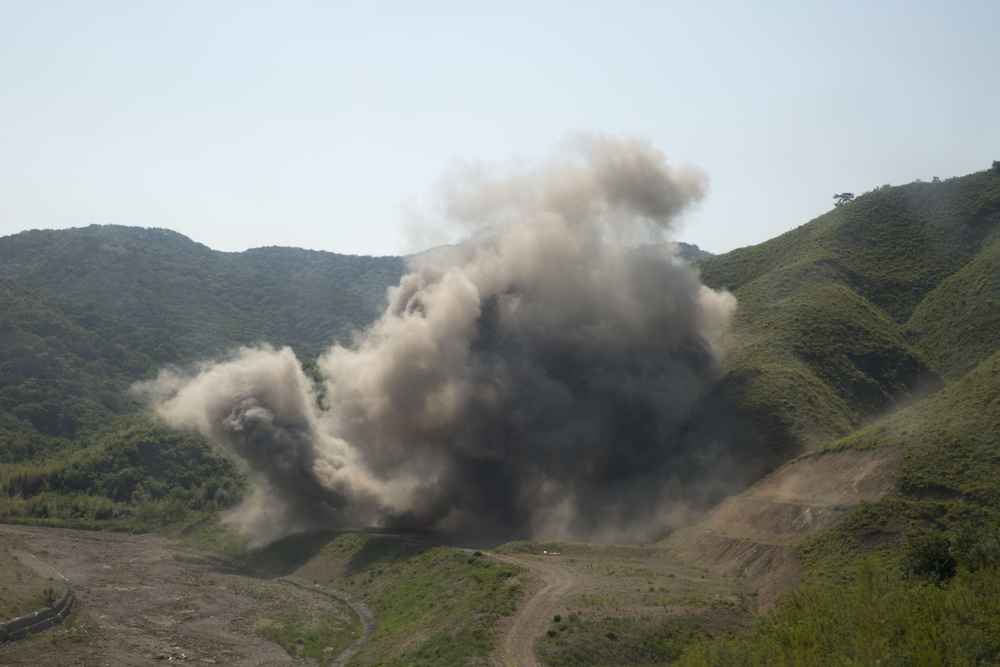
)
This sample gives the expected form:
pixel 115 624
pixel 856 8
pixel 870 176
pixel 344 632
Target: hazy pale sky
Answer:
pixel 324 124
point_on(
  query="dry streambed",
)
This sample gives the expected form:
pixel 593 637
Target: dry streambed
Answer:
pixel 142 601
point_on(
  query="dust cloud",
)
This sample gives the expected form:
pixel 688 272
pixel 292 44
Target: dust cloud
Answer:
pixel 545 378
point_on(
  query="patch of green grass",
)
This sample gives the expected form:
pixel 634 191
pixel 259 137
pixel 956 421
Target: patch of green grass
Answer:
pixel 927 596
pixel 950 441
pixel 878 617
pixel 581 642
pixel 444 648
pixel 958 324
pixel 321 639
pixel 210 534
pixel 418 588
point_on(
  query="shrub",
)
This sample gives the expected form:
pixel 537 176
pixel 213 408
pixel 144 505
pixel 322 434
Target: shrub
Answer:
pixel 929 559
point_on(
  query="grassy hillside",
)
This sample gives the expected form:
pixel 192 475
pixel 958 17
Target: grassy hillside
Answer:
pixel 910 579
pixel 927 592
pixel 958 323
pixel 85 313
pixel 859 309
pixel 435 605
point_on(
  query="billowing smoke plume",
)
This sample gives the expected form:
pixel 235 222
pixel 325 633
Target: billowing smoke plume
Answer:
pixel 541 382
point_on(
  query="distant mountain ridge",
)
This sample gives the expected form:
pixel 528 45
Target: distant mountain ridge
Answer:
pixel 204 300
pixel 208 301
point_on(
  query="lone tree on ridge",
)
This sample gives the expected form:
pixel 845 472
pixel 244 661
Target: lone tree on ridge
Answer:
pixel 843 198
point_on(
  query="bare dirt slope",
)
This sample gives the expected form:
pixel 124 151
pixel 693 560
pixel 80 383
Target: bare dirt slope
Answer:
pixel 142 601
pixel 755 532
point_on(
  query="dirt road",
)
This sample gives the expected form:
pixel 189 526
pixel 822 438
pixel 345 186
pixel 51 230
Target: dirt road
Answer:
pixel 143 600
pixel 553 584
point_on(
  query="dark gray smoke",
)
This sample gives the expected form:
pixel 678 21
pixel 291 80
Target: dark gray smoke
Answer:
pixel 542 382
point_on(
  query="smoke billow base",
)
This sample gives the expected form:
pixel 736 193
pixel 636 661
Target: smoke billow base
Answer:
pixel 542 382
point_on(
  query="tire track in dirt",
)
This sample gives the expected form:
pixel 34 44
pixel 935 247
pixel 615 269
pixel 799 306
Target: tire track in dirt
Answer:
pixel 554 583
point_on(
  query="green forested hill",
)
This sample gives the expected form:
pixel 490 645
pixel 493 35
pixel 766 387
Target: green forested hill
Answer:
pixel 198 301
pixel 63 369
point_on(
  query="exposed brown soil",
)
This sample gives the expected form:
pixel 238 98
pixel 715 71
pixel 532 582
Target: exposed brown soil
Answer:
pixel 143 601
pixel 755 533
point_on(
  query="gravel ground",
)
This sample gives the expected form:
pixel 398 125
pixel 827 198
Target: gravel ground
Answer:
pixel 142 600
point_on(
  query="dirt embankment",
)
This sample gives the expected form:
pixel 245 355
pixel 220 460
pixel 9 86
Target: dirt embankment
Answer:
pixel 755 532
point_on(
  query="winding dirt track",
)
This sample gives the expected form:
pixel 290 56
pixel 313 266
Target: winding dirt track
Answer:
pixel 143 599
pixel 553 584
